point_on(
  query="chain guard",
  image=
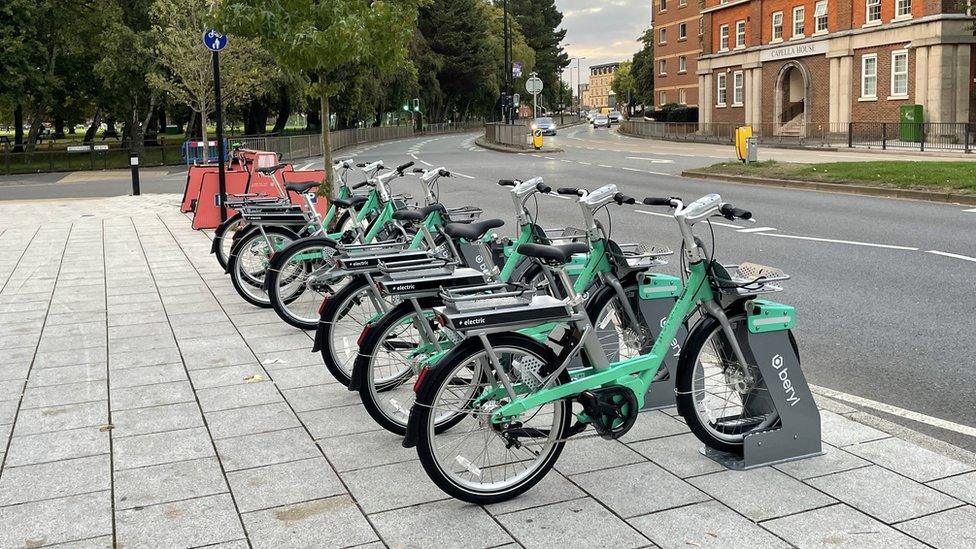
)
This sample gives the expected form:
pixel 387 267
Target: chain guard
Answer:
pixel 612 410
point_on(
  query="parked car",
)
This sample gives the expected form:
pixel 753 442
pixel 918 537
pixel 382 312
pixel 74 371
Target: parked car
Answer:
pixel 615 117
pixel 547 125
pixel 601 121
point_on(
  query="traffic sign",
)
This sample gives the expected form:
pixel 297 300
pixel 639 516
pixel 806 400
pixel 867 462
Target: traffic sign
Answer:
pixel 517 69
pixel 213 40
pixel 533 85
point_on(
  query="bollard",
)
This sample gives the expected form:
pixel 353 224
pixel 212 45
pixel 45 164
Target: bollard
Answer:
pixel 134 163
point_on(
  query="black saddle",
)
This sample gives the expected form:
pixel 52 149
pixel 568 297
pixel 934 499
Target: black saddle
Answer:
pixel 301 187
pixel 553 255
pixel 349 203
pixel 418 214
pixel 471 231
pixel 270 169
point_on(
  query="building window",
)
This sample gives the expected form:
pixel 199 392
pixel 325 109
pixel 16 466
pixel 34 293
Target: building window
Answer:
pixel 738 88
pixel 682 31
pixel 873 11
pixel 720 89
pixel 777 26
pixel 664 98
pixel 740 34
pixel 869 77
pixel 664 66
pixel 683 96
pixel 820 16
pixel 799 13
pixel 903 8
pixel 682 3
pixel 701 26
pixel 664 5
pixel 682 64
pixel 664 36
pixel 899 74
pixel 723 38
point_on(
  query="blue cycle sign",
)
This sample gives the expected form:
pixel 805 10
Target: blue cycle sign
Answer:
pixel 214 40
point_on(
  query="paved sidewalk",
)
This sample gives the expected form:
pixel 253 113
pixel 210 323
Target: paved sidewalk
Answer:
pixel 144 404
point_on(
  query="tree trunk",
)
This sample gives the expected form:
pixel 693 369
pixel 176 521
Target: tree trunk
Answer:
pixel 110 130
pixel 326 138
pixel 36 122
pixel 136 134
pixel 58 128
pixel 19 128
pixel 313 121
pixel 203 134
pixel 93 128
pixel 284 111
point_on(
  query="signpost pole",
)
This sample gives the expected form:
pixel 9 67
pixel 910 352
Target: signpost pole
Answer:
pixel 220 137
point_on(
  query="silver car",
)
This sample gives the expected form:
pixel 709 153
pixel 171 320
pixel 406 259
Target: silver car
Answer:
pixel 547 125
pixel 601 120
pixel 614 117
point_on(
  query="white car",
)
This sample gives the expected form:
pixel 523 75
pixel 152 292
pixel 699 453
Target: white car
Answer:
pixel 601 120
pixel 615 117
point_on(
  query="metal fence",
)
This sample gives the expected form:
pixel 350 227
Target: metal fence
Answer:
pixel 513 135
pixel 51 157
pixel 928 136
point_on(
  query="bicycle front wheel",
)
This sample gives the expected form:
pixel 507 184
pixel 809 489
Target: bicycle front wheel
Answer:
pixel 299 280
pixel 476 460
pixel 249 260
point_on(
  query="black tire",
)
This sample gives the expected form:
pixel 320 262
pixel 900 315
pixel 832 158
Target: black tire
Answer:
pixel 224 238
pixel 292 300
pixel 250 285
pixel 444 373
pixel 335 310
pixel 597 309
pixel 707 328
pixel 341 222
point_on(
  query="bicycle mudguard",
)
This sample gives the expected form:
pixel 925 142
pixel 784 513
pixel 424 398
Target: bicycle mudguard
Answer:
pixel 657 295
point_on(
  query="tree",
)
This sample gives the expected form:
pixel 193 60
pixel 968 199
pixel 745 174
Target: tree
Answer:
pixel 325 37
pixel 623 85
pixel 184 68
pixel 539 21
pixel 642 70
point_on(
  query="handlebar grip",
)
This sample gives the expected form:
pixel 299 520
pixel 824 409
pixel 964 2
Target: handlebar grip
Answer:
pixel 418 170
pixel 402 167
pixel 444 173
pixel 568 190
pixel 655 201
pixel 506 182
pixel 621 198
pixel 543 188
pixel 730 211
pixel 360 164
pixel 360 185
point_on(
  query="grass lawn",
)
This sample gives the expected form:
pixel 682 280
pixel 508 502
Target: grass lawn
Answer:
pixel 934 176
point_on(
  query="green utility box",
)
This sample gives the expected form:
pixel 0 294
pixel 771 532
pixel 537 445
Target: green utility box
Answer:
pixel 911 123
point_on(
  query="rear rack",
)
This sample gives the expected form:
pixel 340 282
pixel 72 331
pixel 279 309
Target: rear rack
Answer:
pixel 487 297
pixel 415 265
pixel 373 248
pixel 566 235
pixel 640 256
pixel 747 278
pixel 464 214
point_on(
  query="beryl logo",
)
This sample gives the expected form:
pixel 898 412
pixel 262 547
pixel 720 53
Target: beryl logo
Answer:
pixel 784 377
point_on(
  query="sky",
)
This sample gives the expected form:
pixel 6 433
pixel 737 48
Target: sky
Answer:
pixel 602 31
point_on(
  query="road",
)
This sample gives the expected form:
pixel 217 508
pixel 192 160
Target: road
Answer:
pixel 885 289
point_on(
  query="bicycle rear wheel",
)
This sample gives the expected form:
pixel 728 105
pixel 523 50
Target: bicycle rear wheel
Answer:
pixel 297 284
pixel 249 260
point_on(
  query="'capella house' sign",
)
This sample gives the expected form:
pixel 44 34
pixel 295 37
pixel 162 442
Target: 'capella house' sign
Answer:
pixel 790 51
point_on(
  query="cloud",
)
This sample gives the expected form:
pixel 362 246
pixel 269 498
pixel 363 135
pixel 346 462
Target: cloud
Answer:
pixel 603 31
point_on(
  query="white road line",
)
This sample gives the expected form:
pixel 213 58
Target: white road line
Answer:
pixel 757 230
pixel 651 160
pixel 895 411
pixel 548 158
pixel 584 163
pixel 604 166
pixel 835 241
pixel 561 197
pixel 956 256
pixel 426 163
pixel 729 225
pixel 462 175
pixel 306 166
pixel 631 169
pixel 970 211
pixel 654 213
pixel 413 156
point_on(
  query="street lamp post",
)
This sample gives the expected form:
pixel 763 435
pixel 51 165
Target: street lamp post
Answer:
pixel 508 64
pixel 579 82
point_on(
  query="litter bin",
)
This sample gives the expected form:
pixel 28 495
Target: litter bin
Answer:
pixel 537 139
pixel 911 126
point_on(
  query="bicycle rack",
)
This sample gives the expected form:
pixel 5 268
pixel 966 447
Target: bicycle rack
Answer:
pixel 798 433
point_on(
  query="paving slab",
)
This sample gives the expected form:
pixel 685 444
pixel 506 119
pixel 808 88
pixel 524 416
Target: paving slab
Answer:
pixel 362 450
pixel 962 487
pixel 839 526
pixel 678 454
pixel 56 445
pixel 62 375
pixel 156 419
pixel 58 520
pixel 707 524
pixel 260 449
pixel 165 447
pixel 638 489
pixel 239 395
pixel 834 460
pixel 168 482
pixel 251 420
pixel 309 523
pixel 391 486
pixel 55 479
pixel 69 393
pixel 945 530
pixel 61 418
pixel 187 523
pixel 582 523
pixel 761 494
pixel 909 459
pixel 284 484
pixel 156 394
pixel 458 525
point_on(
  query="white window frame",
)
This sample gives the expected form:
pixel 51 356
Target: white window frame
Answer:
pixel 682 96
pixel 819 17
pixel 740 34
pixel 776 32
pixel 868 6
pixel 865 76
pixel 682 64
pixel 799 21
pixel 895 94
pixel 721 89
pixel 664 98
pixel 682 31
pixel 663 67
pixel 903 9
pixel 723 38
pixel 663 36
pixel 738 88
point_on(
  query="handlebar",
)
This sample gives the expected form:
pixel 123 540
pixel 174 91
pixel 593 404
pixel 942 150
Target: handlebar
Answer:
pixel 360 185
pixel 400 169
pixel 570 191
pixel 443 173
pixel 730 212
pixel 360 164
pixel 656 201
pixel 507 182
pixel 621 199
pixel 543 188
pixel 419 170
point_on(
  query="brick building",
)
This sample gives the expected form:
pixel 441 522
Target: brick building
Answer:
pixel 598 93
pixel 786 66
pixel 678 36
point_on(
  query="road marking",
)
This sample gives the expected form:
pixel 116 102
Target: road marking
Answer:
pixel 895 411
pixel 757 230
pixel 462 175
pixel 729 225
pixel 654 213
pixel 306 166
pixel 413 156
pixel 631 169
pixel 426 163
pixel 956 256
pixel 970 211
pixel 548 158
pixel 584 163
pixel 561 197
pixel 604 166
pixel 835 241
pixel 651 160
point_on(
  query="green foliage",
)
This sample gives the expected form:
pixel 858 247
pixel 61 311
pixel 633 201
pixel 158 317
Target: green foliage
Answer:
pixel 642 70
pixel 539 21
pixel 623 81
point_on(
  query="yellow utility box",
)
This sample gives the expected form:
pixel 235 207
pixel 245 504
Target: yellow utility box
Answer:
pixel 742 135
pixel 537 139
